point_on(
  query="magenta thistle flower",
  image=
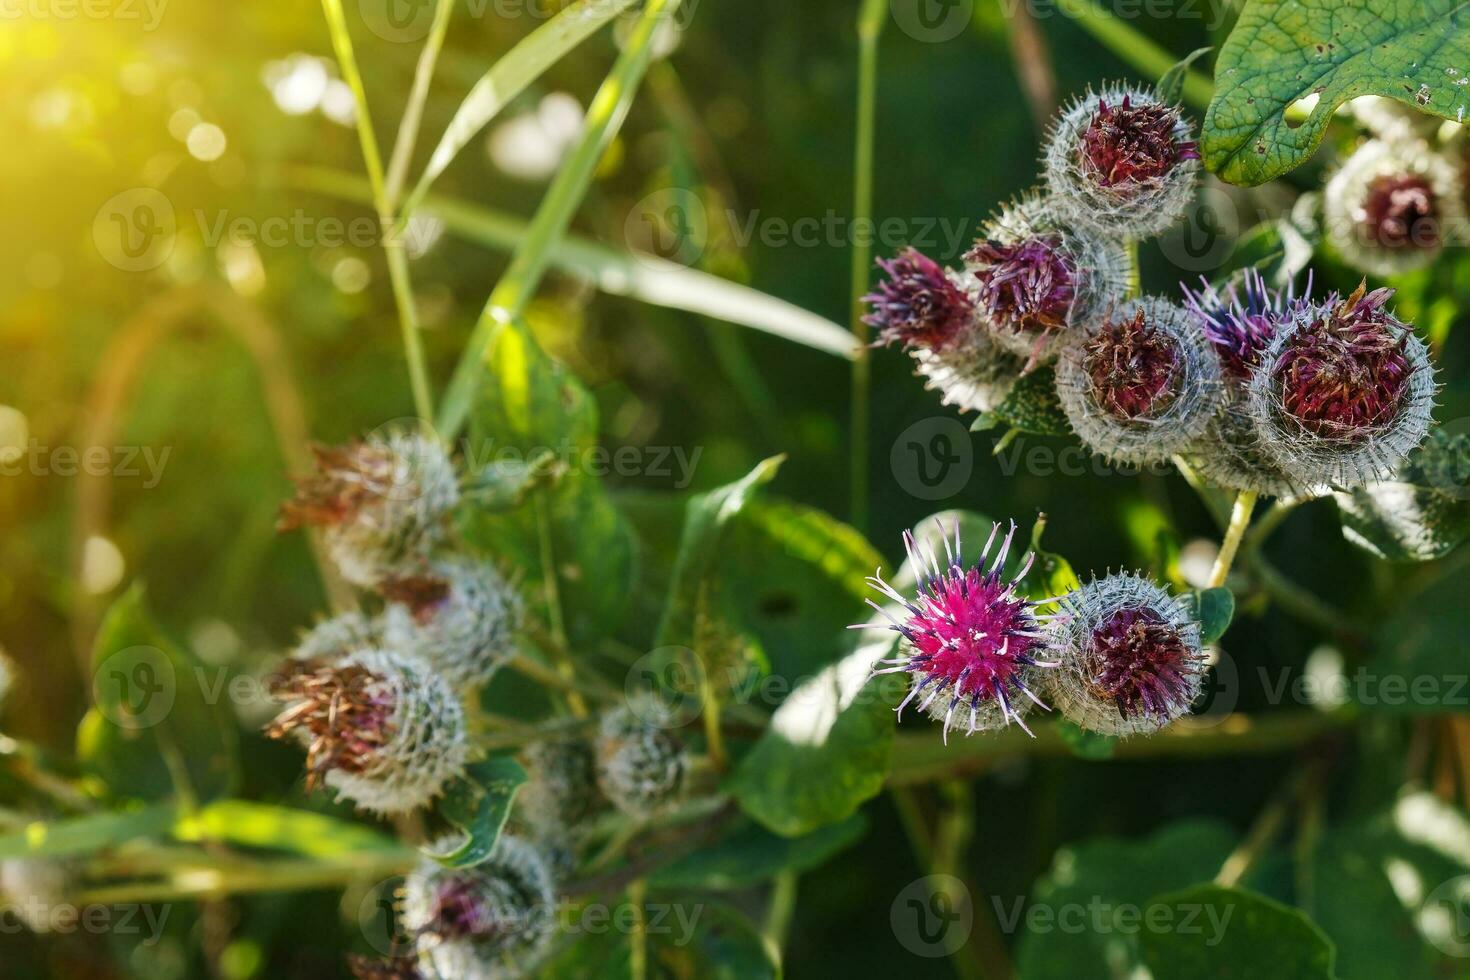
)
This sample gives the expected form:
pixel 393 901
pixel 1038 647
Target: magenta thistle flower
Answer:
pixel 1141 387
pixel 1132 660
pixel 1134 367
pixel 1241 321
pixel 1036 280
pixel 1027 286
pixel 917 305
pixel 491 920
pixel 1122 162
pixel 1133 141
pixel 1393 205
pixel 381 728
pixel 1344 393
pixel 971 642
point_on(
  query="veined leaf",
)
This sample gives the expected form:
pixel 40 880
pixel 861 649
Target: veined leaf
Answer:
pixel 1282 51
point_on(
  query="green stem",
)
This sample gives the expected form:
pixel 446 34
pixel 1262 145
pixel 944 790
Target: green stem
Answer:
pixel 919 759
pixel 871 18
pixel 780 911
pixel 1135 275
pixel 1125 41
pixel 1240 519
pixel 413 112
pixel 518 285
pixel 418 375
pixel 638 941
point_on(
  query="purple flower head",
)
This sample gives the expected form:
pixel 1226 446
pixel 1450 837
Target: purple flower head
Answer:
pixel 1242 321
pixel 1141 664
pixel 1132 660
pixel 1401 209
pixel 917 305
pixel 1132 143
pixel 1345 373
pixel 971 642
pixel 464 909
pixel 1028 286
pixel 345 713
pixel 1134 367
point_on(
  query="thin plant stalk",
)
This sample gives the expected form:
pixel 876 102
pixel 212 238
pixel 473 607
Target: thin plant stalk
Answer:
pixel 413 112
pixel 528 264
pixel 1240 519
pixel 403 298
pixel 871 18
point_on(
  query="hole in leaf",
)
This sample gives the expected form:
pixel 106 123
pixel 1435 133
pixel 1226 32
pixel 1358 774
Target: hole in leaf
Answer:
pixel 1298 111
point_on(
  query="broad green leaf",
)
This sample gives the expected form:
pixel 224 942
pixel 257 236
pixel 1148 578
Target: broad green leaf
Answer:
pixel 1419 663
pixel 155 729
pixel 1414 51
pixel 1359 897
pixel 794 581
pixel 1216 933
pixel 1031 406
pixel 827 748
pixel 751 855
pixel 1050 575
pixel 1101 882
pixel 509 76
pixel 279 828
pixel 1421 515
pixel 479 803
pixel 699 548
pixel 618 272
pixel 528 406
pixel 1214 608
pixel 83 835
pixel 1085 744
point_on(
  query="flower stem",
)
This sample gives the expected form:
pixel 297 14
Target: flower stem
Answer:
pixel 413 112
pixel 517 286
pixel 871 18
pixel 638 953
pixel 403 298
pixel 1240 519
pixel 1135 277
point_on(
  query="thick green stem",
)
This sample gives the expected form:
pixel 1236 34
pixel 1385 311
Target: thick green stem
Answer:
pixel 871 18
pixel 1240 519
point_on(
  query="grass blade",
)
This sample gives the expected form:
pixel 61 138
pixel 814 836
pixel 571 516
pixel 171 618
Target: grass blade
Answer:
pixel 509 76
pixel 617 272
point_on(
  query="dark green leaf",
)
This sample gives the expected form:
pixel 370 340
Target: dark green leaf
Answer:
pixel 478 804
pixel 1106 875
pixel 159 726
pixel 1171 83
pixel 1214 608
pixel 1422 515
pixel 751 855
pixel 699 548
pixel 1216 933
pixel 1414 51
pixel 1085 744
pixel 83 835
pixel 530 406
pixel 1031 406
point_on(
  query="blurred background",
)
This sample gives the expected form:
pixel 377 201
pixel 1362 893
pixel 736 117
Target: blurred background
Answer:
pixel 176 288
